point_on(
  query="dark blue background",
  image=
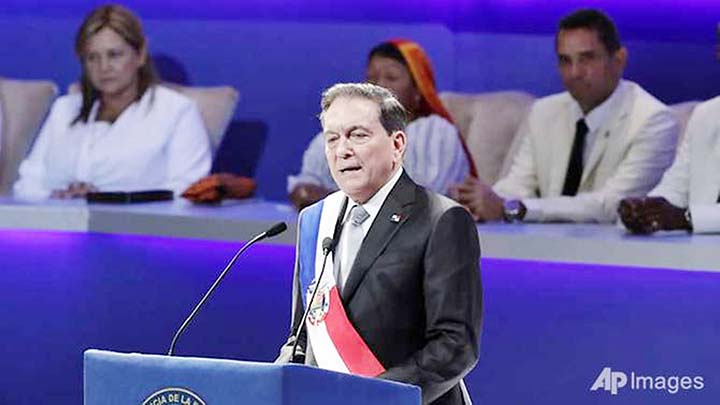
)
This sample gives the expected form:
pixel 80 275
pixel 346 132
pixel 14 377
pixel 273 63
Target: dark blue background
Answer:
pixel 644 19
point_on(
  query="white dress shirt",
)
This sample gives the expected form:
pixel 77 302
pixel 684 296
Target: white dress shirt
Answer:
pixel 158 142
pixel 434 157
pixel 693 181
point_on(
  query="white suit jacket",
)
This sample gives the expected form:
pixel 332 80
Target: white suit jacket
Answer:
pixel 632 149
pixel 694 178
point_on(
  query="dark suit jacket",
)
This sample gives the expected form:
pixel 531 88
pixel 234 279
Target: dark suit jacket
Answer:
pixel 414 292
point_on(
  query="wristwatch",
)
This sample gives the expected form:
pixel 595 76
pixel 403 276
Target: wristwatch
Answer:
pixel 513 211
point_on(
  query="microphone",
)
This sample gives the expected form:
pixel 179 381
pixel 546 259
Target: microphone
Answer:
pixel 274 230
pixel 278 228
pixel 328 246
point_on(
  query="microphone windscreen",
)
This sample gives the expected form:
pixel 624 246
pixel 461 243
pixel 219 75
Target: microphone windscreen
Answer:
pixel 328 245
pixel 280 227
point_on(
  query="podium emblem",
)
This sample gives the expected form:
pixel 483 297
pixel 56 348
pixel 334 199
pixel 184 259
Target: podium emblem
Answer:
pixel 173 395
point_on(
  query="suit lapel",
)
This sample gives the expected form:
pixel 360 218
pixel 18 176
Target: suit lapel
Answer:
pixel 597 151
pixel 396 209
pixel 562 146
pixel 612 127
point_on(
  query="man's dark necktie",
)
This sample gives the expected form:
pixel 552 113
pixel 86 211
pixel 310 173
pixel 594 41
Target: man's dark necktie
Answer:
pixel 575 166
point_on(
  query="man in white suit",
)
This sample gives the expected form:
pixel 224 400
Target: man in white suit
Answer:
pixel 687 196
pixel 585 149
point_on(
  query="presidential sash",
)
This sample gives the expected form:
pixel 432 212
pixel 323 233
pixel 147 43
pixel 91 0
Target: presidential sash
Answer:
pixel 335 343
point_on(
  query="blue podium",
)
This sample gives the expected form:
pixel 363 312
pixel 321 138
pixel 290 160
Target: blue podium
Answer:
pixel 119 378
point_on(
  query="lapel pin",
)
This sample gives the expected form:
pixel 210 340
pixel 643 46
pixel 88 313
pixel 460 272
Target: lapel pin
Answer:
pixel 395 218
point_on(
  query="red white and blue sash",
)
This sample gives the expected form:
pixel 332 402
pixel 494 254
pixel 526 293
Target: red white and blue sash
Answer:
pixel 335 343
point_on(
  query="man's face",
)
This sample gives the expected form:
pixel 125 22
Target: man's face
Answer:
pixel 588 71
pixel 361 154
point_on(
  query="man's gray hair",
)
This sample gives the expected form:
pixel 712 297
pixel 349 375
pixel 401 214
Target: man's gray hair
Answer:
pixel 393 115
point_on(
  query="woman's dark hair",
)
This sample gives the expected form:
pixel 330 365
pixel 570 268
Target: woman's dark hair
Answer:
pixel 387 50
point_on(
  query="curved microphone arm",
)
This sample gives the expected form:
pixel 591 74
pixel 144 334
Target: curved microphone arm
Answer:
pixel 276 229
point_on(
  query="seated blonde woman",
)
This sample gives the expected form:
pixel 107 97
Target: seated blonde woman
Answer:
pixel 124 132
pixel 436 156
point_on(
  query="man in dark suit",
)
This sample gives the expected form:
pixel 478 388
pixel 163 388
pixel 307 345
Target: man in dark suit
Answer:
pixel 405 267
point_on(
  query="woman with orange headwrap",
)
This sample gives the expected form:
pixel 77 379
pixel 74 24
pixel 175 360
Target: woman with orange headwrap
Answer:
pixel 436 156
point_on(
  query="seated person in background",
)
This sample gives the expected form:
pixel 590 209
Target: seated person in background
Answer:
pixel 436 156
pixel 124 132
pixel 689 192
pixel 584 149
